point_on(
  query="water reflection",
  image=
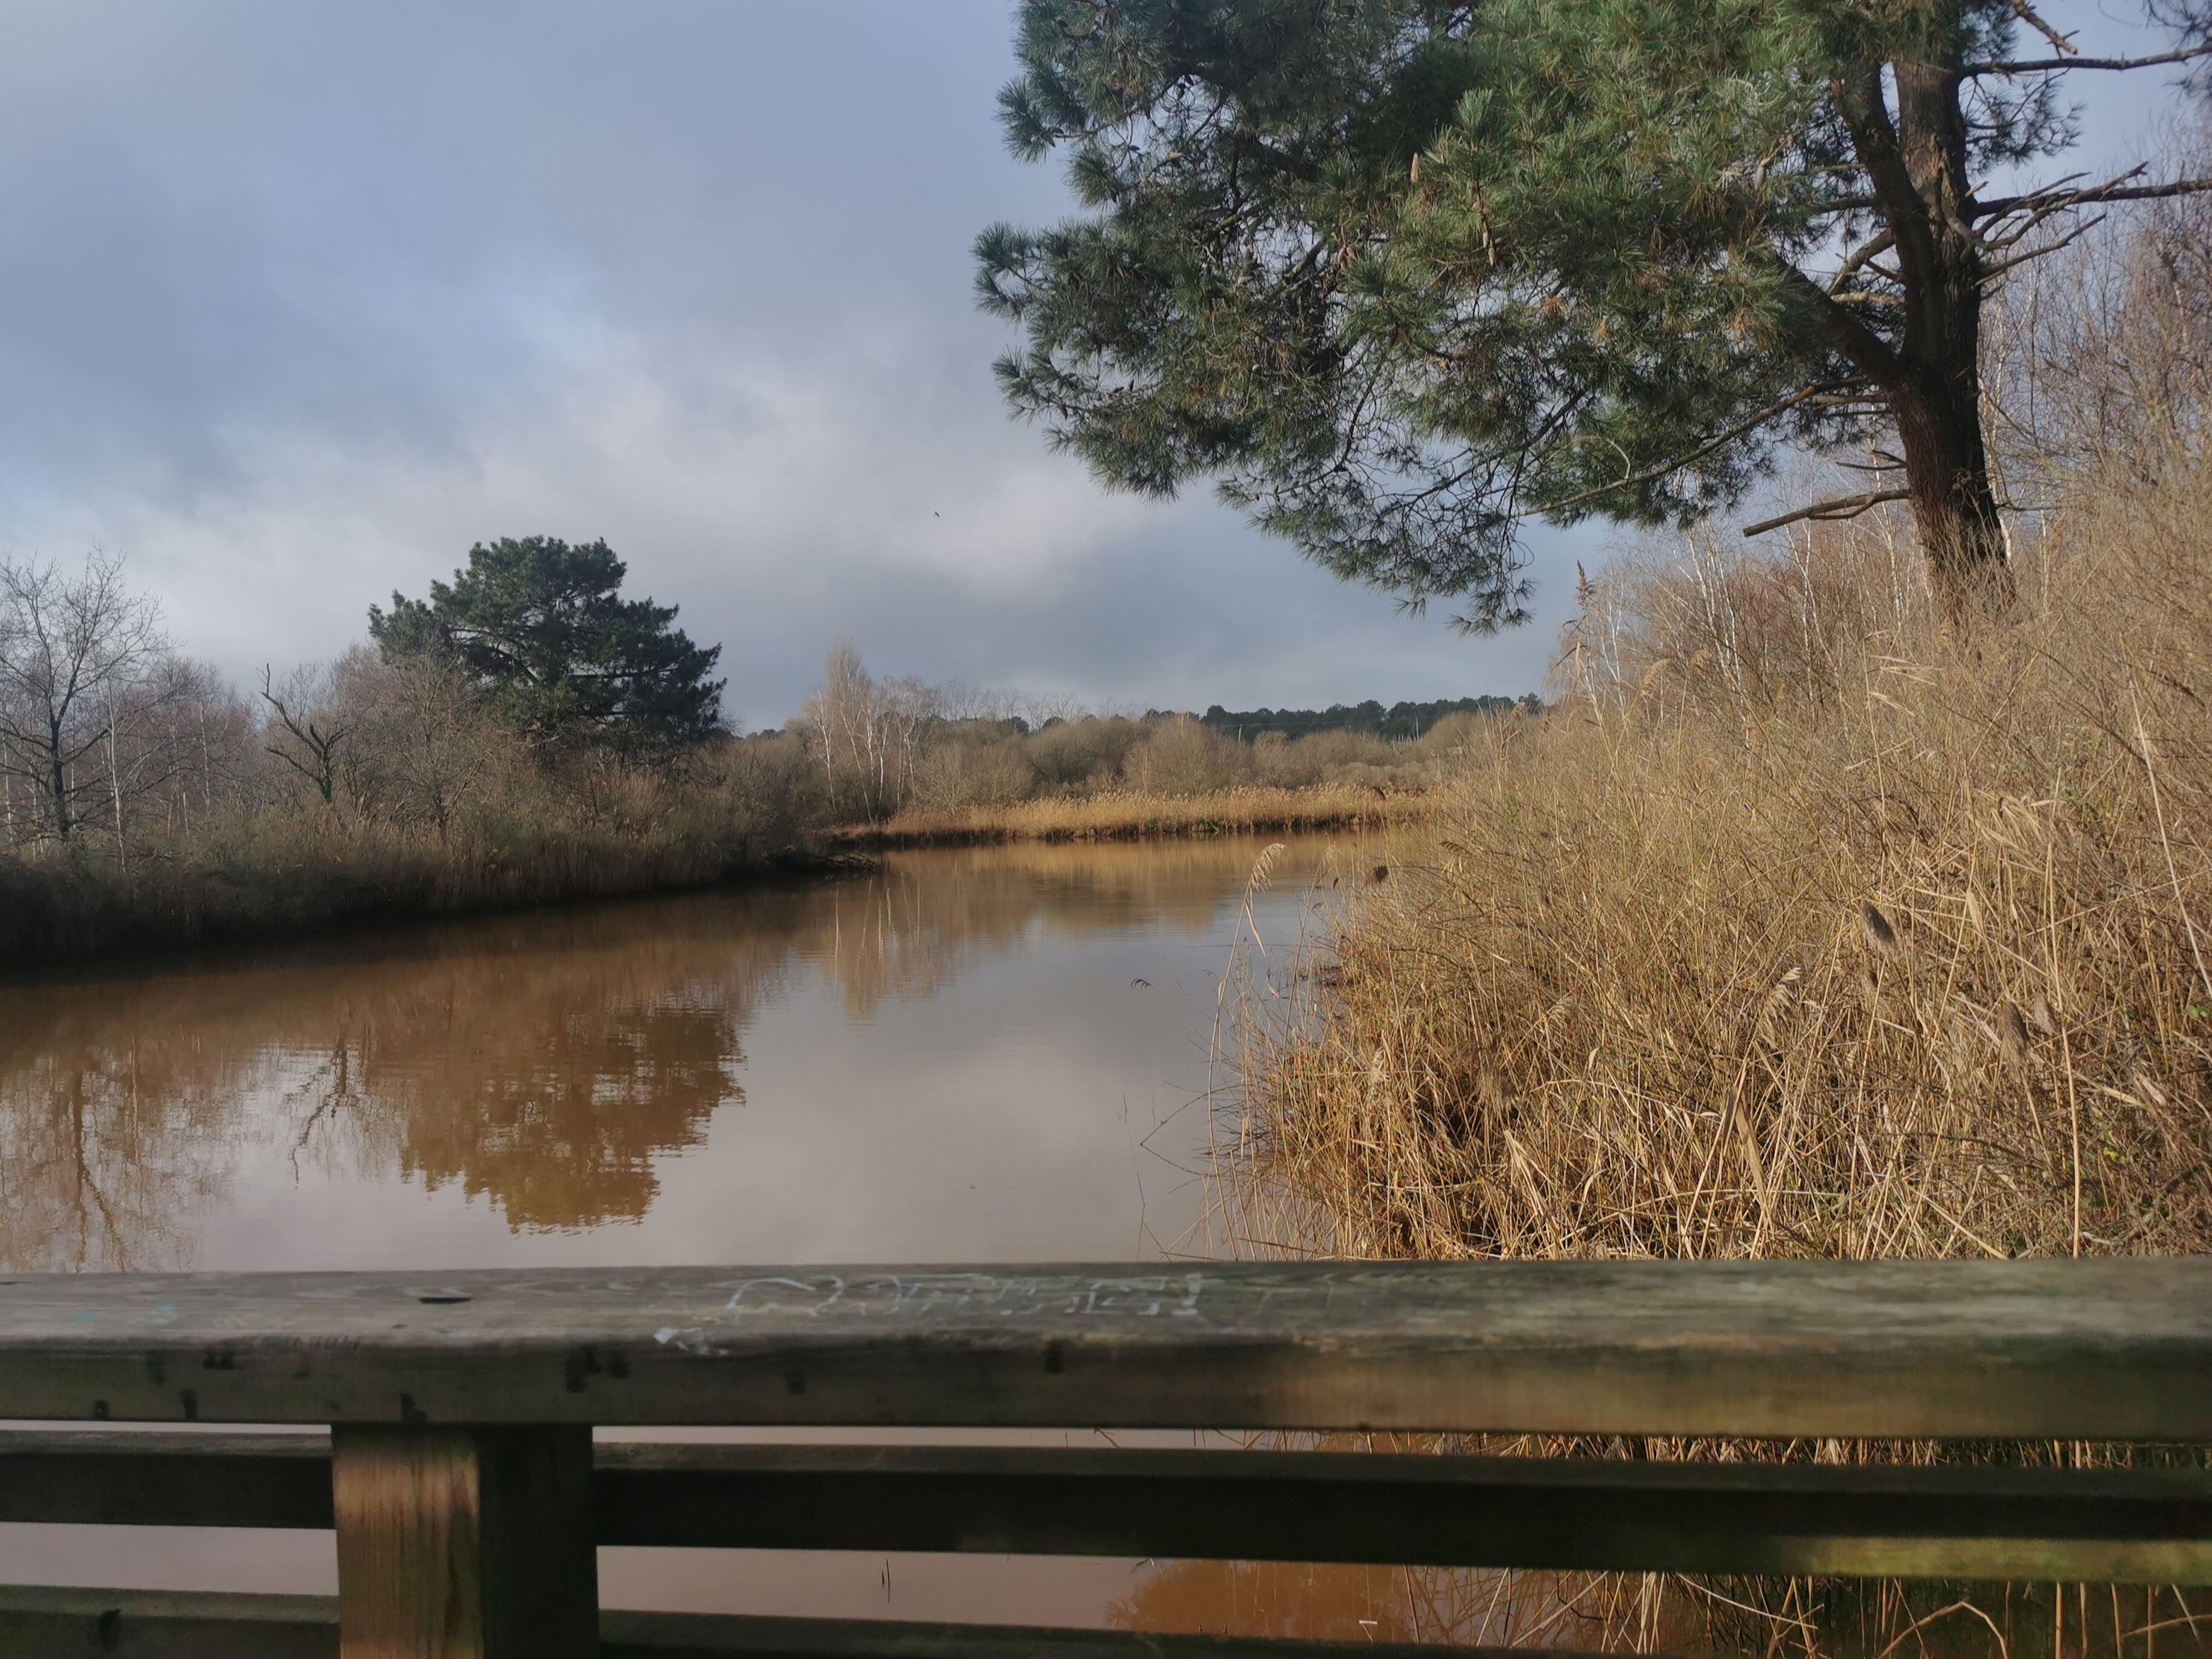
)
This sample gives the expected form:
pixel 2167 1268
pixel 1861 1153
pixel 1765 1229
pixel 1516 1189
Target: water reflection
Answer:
pixel 1636 1613
pixel 1298 1600
pixel 549 1070
pixel 540 1066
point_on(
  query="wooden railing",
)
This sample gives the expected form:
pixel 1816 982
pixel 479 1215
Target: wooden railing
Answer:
pixel 469 1498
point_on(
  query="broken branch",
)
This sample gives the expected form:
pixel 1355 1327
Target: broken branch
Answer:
pixel 1843 506
pixel 2052 65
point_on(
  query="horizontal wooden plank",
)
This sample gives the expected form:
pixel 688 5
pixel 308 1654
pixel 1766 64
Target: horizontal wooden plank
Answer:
pixel 638 1635
pixel 60 1624
pixel 2148 1526
pixel 104 1624
pixel 150 1479
pixel 2028 1350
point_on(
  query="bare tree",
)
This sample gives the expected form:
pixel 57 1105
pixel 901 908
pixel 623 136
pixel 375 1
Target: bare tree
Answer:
pixel 425 750
pixel 150 719
pixel 80 661
pixel 869 733
pixel 318 733
pixel 838 712
pixel 2102 357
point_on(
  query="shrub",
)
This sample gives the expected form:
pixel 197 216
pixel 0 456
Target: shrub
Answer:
pixel 962 773
pixel 1181 757
pixel 1090 751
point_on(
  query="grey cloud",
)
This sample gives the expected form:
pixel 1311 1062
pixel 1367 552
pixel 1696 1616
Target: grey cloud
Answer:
pixel 296 302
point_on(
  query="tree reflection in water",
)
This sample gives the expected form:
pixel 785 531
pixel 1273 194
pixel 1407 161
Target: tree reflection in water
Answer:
pixel 541 1063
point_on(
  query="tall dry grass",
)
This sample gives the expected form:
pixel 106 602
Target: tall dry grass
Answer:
pixel 1135 814
pixel 1796 929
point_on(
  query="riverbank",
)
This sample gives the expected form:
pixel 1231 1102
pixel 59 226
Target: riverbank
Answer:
pixel 1136 815
pixel 1796 930
pixel 62 912
pixel 270 876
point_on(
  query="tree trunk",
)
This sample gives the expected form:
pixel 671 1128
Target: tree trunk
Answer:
pixel 115 790
pixel 1954 507
pixel 1929 374
pixel 1938 407
pixel 59 789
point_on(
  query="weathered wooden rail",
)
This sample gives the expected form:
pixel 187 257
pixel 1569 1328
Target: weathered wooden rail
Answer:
pixel 469 1499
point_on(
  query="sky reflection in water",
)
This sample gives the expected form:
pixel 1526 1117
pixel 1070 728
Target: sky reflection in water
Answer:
pixel 968 1056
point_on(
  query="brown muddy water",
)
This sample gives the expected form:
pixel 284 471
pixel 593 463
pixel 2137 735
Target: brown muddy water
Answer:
pixel 981 1055
pixel 986 1054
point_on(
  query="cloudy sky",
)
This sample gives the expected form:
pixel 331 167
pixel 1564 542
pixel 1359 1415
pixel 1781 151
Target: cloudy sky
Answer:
pixel 296 302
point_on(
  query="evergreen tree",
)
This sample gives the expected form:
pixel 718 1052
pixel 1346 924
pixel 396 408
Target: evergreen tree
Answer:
pixel 1402 274
pixel 542 629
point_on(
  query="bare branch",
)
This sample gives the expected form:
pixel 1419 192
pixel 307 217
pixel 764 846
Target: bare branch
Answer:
pixel 2096 193
pixel 1843 506
pixel 2054 65
pixel 1859 257
pixel 1993 272
pixel 2026 14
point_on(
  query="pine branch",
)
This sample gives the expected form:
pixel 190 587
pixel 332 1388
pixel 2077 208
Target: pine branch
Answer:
pixel 1869 352
pixel 1653 474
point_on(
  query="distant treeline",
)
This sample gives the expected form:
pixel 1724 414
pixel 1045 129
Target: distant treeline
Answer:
pixel 1404 720
pixel 525 734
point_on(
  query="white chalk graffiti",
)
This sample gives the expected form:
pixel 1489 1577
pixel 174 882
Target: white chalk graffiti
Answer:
pixel 913 1295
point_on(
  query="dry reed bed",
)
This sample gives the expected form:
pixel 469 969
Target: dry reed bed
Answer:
pixel 255 877
pixel 1796 931
pixel 1135 816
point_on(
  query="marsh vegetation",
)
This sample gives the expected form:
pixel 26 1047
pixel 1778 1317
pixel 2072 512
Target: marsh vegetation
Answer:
pixel 1807 922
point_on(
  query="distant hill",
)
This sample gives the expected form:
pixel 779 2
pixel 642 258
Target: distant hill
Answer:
pixel 1399 720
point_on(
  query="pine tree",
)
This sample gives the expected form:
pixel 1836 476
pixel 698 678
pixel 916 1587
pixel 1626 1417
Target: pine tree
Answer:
pixel 542 628
pixel 1402 275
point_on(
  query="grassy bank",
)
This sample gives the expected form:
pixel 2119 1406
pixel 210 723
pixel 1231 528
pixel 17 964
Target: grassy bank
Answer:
pixel 1117 815
pixel 263 870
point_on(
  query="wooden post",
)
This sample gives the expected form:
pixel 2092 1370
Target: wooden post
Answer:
pixel 465 1543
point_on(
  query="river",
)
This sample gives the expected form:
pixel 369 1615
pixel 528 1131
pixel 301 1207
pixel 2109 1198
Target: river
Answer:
pixel 984 1054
